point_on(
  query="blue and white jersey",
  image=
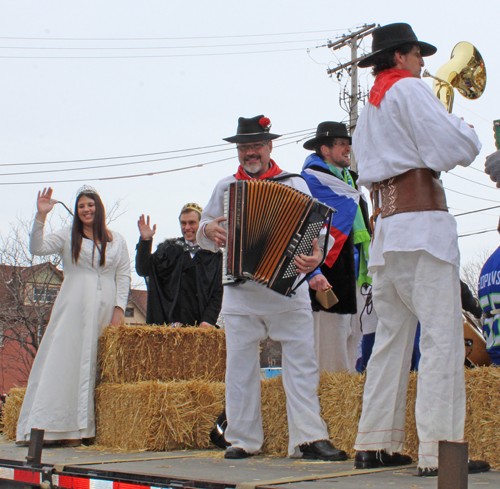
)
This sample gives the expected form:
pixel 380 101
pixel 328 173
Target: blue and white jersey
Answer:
pixel 489 299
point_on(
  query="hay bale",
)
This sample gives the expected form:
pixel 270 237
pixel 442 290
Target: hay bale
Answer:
pixel 341 398
pixel 156 415
pixel 274 420
pixel 11 410
pixel 169 416
pixel 143 353
pixel 482 422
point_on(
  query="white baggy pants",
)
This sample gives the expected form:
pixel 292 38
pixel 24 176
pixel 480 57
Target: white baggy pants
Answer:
pixel 411 287
pixel 294 329
pixel 337 337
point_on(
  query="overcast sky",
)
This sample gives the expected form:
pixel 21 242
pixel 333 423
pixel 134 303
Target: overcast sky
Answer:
pixel 179 76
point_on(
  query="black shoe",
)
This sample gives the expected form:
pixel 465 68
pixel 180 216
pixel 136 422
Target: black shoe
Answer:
pixel 475 467
pixel 372 459
pixel 235 452
pixel 322 450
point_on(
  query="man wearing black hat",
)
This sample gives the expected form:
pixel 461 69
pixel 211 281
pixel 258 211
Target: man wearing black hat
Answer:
pixel 337 327
pixel 253 312
pixel 403 139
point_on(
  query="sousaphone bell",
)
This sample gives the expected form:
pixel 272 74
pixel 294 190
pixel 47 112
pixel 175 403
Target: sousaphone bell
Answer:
pixel 465 71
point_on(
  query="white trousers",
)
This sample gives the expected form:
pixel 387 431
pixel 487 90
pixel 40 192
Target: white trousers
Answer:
pixel 294 330
pixel 412 287
pixel 336 340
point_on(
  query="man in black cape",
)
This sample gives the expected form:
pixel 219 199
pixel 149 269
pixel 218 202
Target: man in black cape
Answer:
pixel 184 281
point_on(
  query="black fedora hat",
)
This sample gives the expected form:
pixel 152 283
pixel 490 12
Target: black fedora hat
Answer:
pixel 392 36
pixel 327 130
pixel 253 129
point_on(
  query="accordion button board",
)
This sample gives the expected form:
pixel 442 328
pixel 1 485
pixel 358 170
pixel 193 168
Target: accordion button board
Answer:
pixel 268 225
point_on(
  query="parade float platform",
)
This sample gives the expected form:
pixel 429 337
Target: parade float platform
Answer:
pixel 160 389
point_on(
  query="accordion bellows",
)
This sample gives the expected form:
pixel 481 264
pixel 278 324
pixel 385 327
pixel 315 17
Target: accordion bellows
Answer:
pixel 269 223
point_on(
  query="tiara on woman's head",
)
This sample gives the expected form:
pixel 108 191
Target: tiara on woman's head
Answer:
pixel 86 189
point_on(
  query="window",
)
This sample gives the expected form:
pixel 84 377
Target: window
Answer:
pixel 129 312
pixel 45 293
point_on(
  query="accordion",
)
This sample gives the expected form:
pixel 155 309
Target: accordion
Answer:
pixel 268 224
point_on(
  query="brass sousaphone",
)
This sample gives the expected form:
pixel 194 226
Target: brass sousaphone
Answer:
pixel 465 71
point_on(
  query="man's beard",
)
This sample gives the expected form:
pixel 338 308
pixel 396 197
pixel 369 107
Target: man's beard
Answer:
pixel 253 166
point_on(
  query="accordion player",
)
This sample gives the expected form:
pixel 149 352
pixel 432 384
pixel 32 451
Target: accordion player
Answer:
pixel 268 224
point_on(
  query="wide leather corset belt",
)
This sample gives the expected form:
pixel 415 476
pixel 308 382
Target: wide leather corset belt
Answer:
pixel 416 190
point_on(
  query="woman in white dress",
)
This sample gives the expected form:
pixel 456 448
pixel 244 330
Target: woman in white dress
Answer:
pixel 60 394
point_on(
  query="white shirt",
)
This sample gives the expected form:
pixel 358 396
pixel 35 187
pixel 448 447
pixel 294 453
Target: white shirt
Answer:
pixel 251 297
pixel 412 129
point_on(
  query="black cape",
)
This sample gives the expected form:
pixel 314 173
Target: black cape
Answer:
pixel 180 288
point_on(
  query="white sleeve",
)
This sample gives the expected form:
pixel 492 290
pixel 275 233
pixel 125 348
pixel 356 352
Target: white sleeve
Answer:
pixel 122 274
pixel 51 243
pixel 213 210
pixel 443 140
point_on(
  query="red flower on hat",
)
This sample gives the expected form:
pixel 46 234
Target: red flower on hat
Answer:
pixel 265 122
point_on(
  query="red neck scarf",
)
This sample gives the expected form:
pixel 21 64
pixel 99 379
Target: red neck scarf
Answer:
pixel 385 80
pixel 274 170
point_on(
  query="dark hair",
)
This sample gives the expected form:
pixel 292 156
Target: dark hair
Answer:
pixel 100 232
pixel 328 141
pixel 387 60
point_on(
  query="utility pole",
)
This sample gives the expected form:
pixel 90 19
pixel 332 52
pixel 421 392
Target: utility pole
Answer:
pixel 354 96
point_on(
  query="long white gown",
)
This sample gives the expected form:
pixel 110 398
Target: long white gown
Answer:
pixel 60 393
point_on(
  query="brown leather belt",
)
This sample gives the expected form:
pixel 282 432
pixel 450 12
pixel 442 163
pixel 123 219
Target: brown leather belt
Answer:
pixel 416 190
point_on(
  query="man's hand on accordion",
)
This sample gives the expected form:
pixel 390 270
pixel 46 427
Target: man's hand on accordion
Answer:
pixel 215 232
pixel 306 264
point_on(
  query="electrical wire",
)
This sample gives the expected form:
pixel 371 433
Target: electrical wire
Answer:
pixel 477 232
pixel 206 46
pixel 198 165
pixel 165 38
pixel 157 55
pixel 285 136
pixel 472 181
pixel 477 210
pixel 468 195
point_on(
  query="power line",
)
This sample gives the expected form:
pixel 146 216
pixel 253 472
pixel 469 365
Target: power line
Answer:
pixel 164 38
pixel 477 210
pixel 129 176
pixel 472 181
pixel 206 46
pixel 156 55
pixel 468 195
pixel 477 232
pixel 285 136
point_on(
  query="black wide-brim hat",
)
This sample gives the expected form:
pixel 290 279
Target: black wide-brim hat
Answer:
pixel 253 129
pixel 392 36
pixel 325 131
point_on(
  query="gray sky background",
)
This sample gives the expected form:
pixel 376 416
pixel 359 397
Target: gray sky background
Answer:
pixel 207 64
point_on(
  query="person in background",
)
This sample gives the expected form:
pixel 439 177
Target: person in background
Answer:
pixel 184 281
pixel 337 327
pixel 489 299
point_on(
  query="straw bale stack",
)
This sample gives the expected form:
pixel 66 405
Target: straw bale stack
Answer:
pixel 341 398
pixel 11 410
pixel 157 415
pixel 274 420
pixel 142 353
pixel 180 414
